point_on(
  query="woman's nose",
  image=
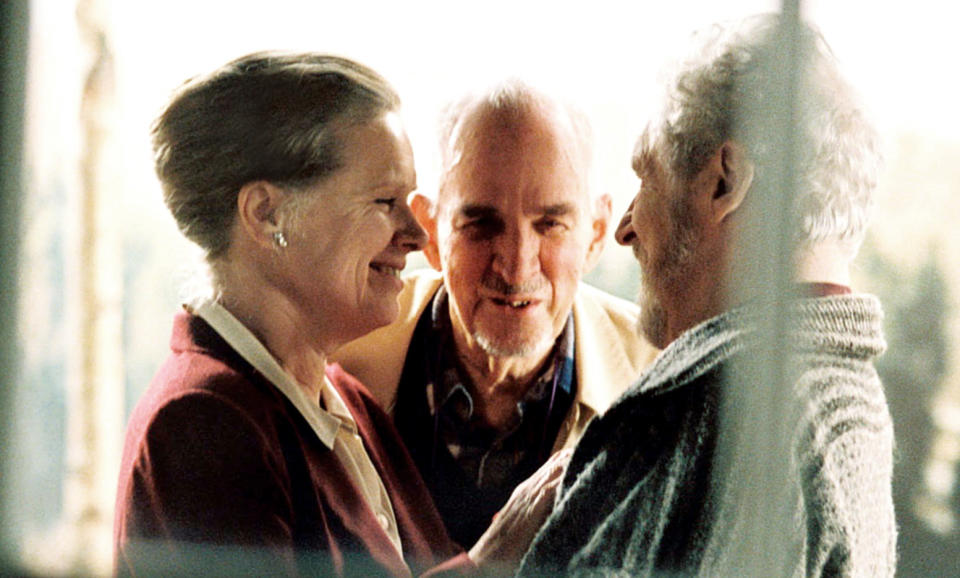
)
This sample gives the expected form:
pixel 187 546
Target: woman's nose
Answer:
pixel 410 235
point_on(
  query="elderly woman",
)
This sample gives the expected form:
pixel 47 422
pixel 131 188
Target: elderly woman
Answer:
pixel 248 453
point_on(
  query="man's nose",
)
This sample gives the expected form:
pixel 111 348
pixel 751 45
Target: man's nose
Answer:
pixel 517 255
pixel 625 234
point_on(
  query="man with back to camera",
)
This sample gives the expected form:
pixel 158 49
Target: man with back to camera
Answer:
pixel 503 356
pixel 655 485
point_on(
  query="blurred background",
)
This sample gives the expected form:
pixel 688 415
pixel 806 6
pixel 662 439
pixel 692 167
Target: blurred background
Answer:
pixel 94 265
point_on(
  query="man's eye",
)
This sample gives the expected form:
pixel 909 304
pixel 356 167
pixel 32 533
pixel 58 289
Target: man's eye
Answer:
pixel 545 226
pixel 478 224
pixel 390 202
pixel 481 228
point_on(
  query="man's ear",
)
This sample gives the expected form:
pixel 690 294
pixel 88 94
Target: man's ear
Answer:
pixel 733 173
pixel 602 209
pixel 257 204
pixel 425 211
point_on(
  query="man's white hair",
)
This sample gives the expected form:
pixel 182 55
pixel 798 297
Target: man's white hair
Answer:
pixel 515 99
pixel 704 102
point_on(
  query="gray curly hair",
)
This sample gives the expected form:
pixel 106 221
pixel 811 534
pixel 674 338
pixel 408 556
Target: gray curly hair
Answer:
pixel 704 106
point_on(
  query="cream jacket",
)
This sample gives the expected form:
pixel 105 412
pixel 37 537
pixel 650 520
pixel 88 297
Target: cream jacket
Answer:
pixel 609 353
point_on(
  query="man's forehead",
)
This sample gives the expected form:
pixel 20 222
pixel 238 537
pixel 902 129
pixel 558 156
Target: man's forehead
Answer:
pixel 505 197
pixel 535 134
pixel 536 185
pixel 532 136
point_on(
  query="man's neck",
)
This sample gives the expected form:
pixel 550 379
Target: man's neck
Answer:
pixel 826 262
pixel 498 383
pixel 493 375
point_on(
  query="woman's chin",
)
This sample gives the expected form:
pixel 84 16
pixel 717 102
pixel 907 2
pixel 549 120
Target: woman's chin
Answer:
pixel 376 315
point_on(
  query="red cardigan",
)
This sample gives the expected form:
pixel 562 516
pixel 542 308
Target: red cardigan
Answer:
pixel 220 470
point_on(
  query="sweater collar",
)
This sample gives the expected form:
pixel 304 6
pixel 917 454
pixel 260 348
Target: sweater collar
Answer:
pixel 848 322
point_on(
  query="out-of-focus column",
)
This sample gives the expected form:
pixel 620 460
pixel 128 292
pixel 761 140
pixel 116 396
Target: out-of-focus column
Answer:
pixel 95 368
pixel 757 416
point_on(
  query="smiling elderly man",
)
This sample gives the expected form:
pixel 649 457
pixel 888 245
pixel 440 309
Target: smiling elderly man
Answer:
pixel 504 356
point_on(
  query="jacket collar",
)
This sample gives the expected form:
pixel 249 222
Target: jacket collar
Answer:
pixel 609 355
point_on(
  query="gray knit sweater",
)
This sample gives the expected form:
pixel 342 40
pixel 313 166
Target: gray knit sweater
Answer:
pixel 655 488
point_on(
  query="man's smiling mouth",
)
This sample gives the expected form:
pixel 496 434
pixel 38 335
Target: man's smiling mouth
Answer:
pixel 386 269
pixel 516 304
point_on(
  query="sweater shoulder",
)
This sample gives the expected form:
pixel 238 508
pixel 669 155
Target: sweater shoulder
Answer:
pixel 844 416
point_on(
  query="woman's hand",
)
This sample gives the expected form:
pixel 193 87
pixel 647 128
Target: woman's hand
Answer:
pixel 501 547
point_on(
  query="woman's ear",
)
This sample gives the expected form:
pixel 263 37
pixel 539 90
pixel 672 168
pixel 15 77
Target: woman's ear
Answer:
pixel 257 206
pixel 734 175
pixel 425 211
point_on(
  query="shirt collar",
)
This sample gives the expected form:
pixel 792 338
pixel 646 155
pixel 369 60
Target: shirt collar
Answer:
pixel 324 423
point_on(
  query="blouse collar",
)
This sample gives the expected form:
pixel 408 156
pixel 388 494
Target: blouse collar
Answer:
pixel 324 423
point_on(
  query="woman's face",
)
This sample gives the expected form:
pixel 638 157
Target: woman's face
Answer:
pixel 350 243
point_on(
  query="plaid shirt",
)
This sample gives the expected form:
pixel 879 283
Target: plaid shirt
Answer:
pixel 471 468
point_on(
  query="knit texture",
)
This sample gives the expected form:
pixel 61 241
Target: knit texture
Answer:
pixel 657 486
